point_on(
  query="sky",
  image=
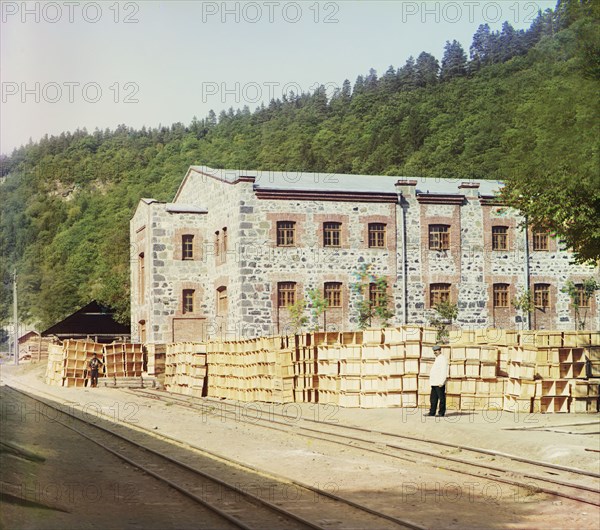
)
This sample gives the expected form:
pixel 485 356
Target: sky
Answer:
pixel 75 64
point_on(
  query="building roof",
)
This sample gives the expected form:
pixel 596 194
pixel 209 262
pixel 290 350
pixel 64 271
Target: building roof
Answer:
pixel 337 182
pixel 92 320
pixel 26 336
pixel 176 207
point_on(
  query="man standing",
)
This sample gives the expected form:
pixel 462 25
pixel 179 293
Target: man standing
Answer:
pixel 437 380
pixel 94 365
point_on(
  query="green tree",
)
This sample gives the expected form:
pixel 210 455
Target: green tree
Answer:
pixel 297 315
pixel 454 61
pixel 580 296
pixel 365 307
pixel 426 70
pixel 523 303
pixel 317 305
pixel 444 314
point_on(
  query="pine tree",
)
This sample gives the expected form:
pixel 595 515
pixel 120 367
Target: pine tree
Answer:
pixel 407 75
pixel 426 69
pixel 454 62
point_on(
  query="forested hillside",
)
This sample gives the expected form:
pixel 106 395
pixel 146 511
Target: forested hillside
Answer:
pixel 522 103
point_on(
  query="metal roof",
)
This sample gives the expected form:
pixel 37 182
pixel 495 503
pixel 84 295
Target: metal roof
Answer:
pixel 293 180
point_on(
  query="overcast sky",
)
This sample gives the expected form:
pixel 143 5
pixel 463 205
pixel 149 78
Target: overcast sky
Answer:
pixel 75 64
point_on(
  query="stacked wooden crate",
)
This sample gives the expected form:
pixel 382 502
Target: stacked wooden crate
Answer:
pixel 251 370
pixel 113 360
pixel 78 354
pixel 350 352
pixel 185 368
pixel 55 369
pixel 520 386
pixel 306 383
pixel 133 359
pixel 321 382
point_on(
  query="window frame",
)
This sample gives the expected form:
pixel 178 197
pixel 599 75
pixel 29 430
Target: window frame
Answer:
pixel 377 235
pixel 500 295
pixel 540 241
pixel 499 235
pixel 376 295
pixel 187 247
pixel 541 290
pixel 286 234
pixel 439 237
pixel 222 301
pixel 333 294
pixel 187 301
pixel 332 234
pixel 440 291
pixel 581 297
pixel 286 294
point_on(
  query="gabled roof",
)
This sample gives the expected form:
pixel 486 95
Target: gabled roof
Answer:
pixel 91 320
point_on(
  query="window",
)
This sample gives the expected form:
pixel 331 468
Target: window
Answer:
pixel 439 292
pixel 187 246
pixel 217 244
pixel 376 235
pixel 376 295
pixel 142 324
pixel 541 295
pixel 286 233
pixel 540 240
pixel 333 294
pixel 222 301
pixel 332 234
pixel 581 298
pixel 499 238
pixel 188 301
pixel 439 237
pixel 142 279
pixel 286 294
pixel 500 295
pixel 221 246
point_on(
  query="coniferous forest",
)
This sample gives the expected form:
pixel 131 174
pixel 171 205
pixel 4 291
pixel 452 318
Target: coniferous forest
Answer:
pixel 518 105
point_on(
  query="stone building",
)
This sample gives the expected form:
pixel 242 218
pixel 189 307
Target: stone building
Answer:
pixel 235 248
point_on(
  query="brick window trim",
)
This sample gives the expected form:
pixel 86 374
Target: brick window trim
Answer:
pixel 390 230
pixel 453 291
pixel 438 228
pixel 275 291
pixel 453 221
pixel 299 219
pixel 591 307
pixel 321 219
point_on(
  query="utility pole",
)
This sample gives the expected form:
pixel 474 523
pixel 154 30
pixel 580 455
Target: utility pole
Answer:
pixel 15 319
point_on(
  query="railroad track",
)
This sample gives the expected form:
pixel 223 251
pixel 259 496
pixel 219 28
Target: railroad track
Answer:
pixel 247 501
pixel 531 475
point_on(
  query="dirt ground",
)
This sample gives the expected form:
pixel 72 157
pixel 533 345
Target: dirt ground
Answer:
pixel 412 490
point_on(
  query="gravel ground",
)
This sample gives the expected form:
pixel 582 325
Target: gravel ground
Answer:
pixel 414 490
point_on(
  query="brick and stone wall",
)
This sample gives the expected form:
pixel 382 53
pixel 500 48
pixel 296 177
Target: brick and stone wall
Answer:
pixel 251 264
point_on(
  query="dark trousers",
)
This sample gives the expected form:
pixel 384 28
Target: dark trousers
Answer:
pixel 94 381
pixel 438 393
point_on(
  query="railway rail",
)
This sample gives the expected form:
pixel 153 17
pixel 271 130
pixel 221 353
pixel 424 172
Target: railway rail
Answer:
pixel 222 487
pixel 553 479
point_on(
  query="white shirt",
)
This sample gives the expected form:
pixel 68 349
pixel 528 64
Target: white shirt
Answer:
pixel 439 371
